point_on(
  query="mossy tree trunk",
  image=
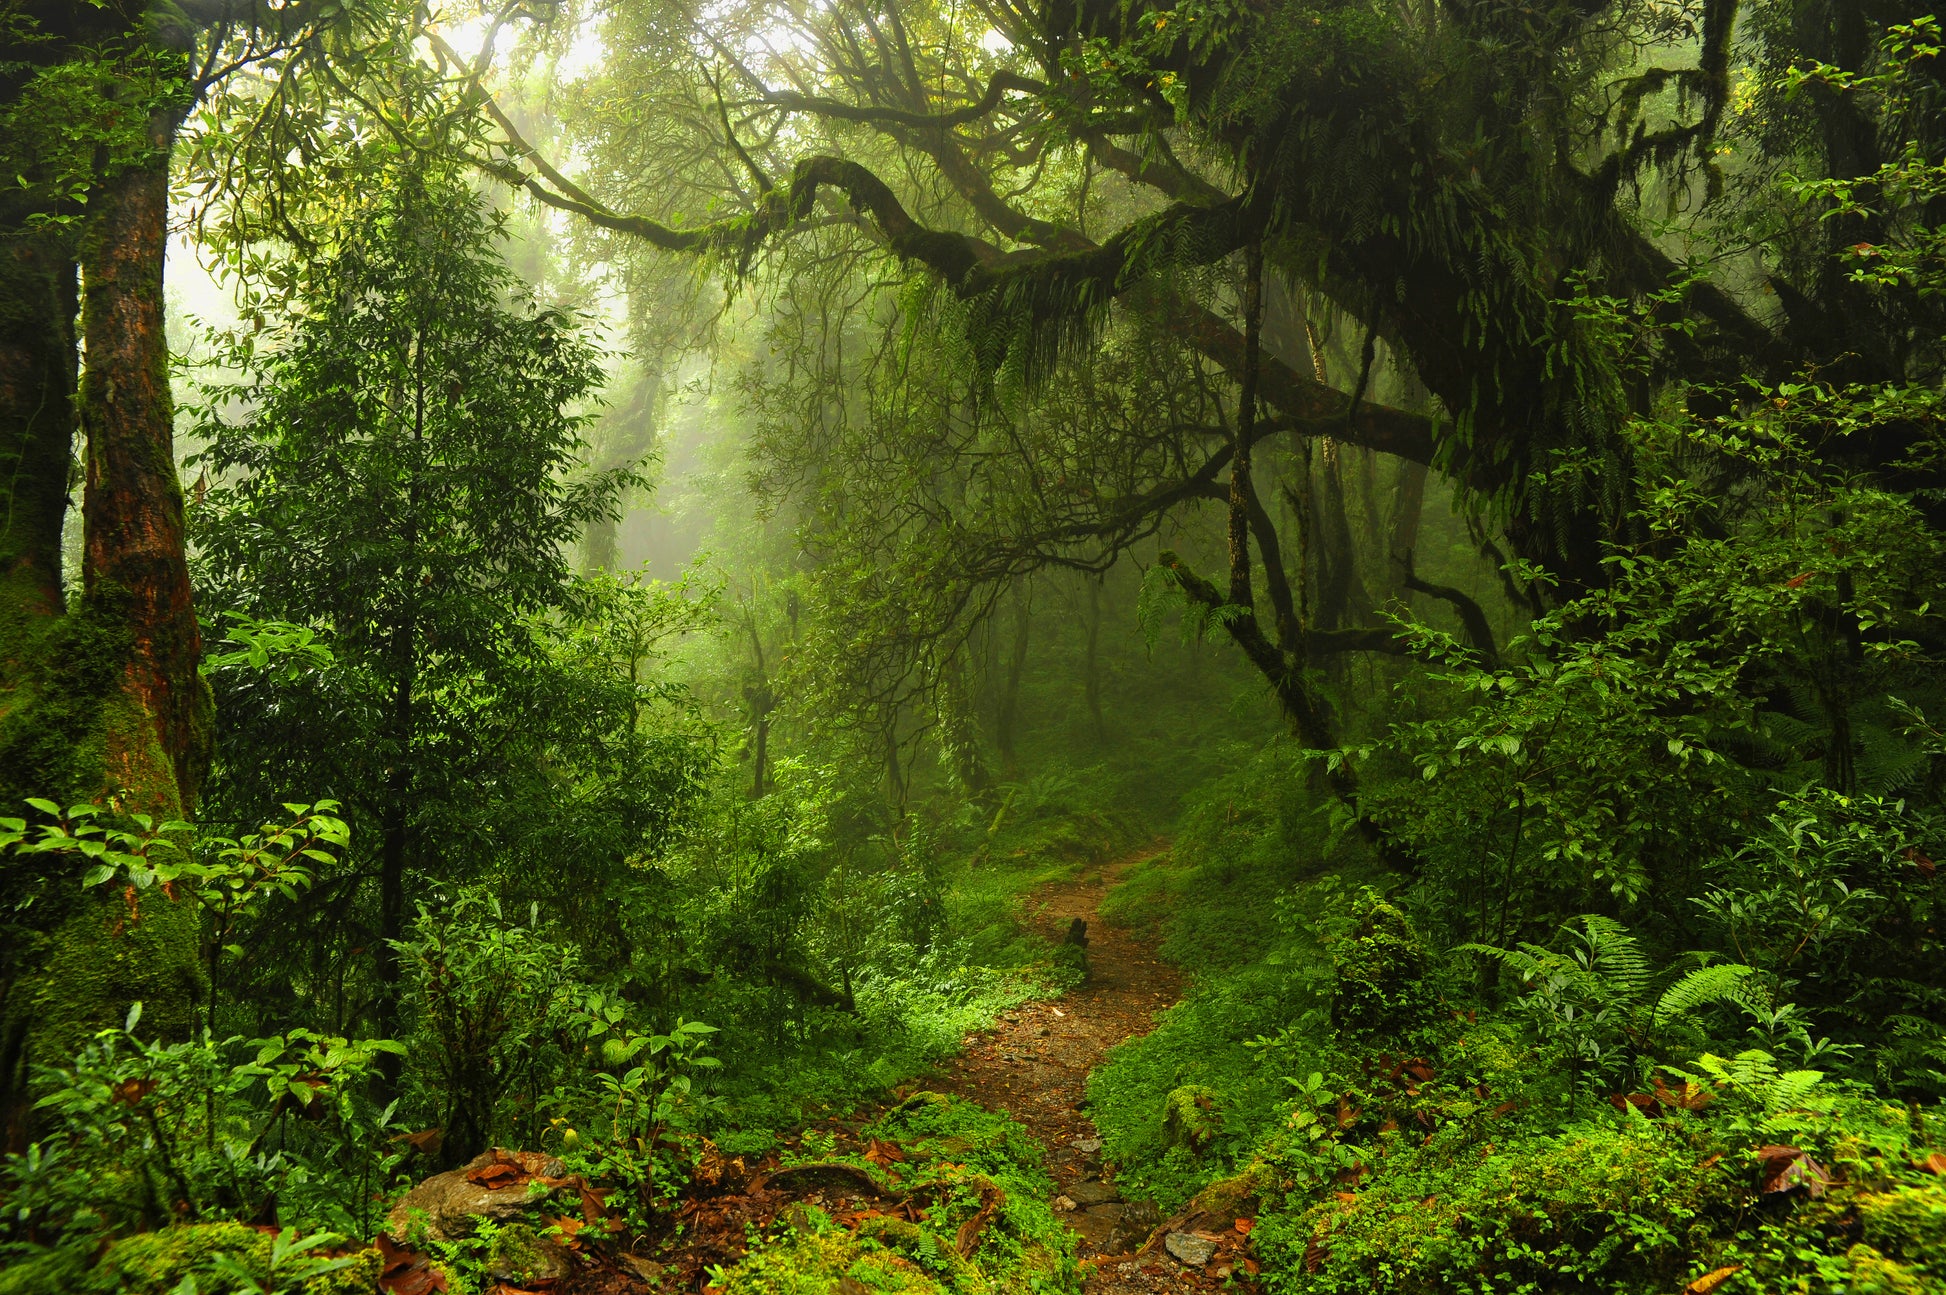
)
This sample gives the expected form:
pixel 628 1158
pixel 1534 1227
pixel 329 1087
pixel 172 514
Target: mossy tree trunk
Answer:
pixel 104 702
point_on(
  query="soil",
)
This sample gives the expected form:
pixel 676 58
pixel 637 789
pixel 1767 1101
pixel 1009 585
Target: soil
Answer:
pixel 1034 1065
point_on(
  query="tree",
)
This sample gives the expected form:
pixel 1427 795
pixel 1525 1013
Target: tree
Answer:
pixel 402 477
pixel 1449 179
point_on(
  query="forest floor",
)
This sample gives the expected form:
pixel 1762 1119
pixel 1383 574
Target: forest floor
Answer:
pixel 1033 1064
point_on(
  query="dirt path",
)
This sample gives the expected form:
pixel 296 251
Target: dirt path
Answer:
pixel 1034 1064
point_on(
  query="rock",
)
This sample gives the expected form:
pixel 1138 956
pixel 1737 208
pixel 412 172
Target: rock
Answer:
pixel 1190 1248
pixel 1064 1204
pixel 647 1269
pixel 452 1206
pixel 521 1256
pixel 823 1175
pixel 1091 1192
pixel 1117 1227
pixel 1087 1146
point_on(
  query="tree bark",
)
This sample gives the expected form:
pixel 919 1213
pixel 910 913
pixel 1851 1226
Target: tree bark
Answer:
pixel 1006 719
pixel 38 301
pixel 132 507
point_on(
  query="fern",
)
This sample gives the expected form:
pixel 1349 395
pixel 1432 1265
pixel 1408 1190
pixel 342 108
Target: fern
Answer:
pixel 1614 958
pixel 1791 1089
pixel 1725 982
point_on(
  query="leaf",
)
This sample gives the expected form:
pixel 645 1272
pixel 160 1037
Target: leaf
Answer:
pixel 1788 1168
pixel 134 1015
pixel 44 806
pixel 1709 1281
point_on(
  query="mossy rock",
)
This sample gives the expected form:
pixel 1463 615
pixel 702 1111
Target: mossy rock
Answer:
pixel 1379 970
pixel 1191 1117
pixel 1908 1221
pixel 154 1263
pixel 824 1260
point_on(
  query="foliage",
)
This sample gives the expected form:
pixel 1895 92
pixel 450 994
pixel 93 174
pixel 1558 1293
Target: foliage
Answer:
pixel 145 1132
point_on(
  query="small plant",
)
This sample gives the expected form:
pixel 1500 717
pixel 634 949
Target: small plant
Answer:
pixel 148 1133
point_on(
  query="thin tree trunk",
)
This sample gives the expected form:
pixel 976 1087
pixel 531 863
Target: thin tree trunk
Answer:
pixel 1005 722
pixel 1402 528
pixel 1091 662
pixel 38 301
pixel 37 390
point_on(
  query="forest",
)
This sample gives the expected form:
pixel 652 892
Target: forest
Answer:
pixel 972 647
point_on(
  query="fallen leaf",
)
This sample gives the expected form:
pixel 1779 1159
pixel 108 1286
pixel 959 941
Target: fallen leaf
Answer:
pixel 1709 1281
pixel 495 1176
pixel 1933 1164
pixel 1243 1226
pixel 426 1141
pixel 882 1153
pixel 1787 1168
pixel 406 1272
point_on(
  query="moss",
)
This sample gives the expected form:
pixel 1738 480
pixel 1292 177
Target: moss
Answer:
pixel 1379 970
pixel 1593 1208
pixel 71 731
pixel 1909 1221
pixel 46 1272
pixel 516 1255
pixel 1870 1273
pixel 154 1263
pixel 1191 1118
pixel 820 1259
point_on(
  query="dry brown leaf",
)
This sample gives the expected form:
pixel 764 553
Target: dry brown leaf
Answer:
pixel 1709 1281
pixel 1788 1168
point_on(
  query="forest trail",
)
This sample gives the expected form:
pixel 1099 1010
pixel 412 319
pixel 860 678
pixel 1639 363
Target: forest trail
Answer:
pixel 1033 1064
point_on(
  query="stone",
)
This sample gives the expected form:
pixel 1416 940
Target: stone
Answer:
pixel 1087 1146
pixel 1190 1248
pixel 647 1269
pixel 521 1256
pixel 1064 1204
pixel 1090 1192
pixel 451 1206
pixel 1117 1227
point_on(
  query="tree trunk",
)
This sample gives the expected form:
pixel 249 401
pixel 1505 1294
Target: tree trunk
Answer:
pixel 38 301
pixel 132 508
pixel 1402 535
pixel 106 704
pixel 1091 661
pixel 1009 711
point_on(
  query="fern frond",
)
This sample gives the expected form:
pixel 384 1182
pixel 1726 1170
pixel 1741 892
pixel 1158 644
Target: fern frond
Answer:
pixel 1722 983
pixel 1792 1087
pixel 1615 958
